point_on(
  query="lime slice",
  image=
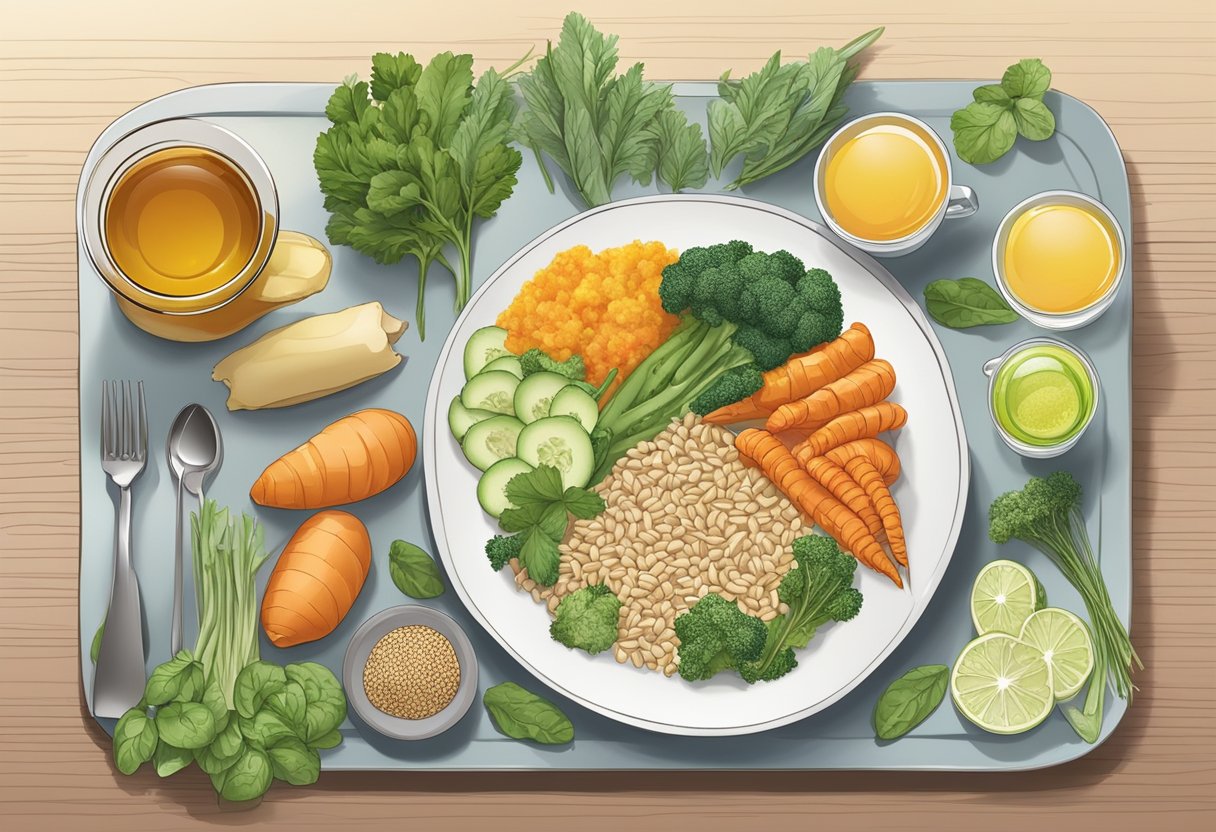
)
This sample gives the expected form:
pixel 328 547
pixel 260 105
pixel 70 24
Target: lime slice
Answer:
pixel 1002 685
pixel 1003 597
pixel 1064 641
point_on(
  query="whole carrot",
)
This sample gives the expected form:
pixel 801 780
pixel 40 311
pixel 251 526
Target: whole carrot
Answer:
pixel 864 472
pixel 801 376
pixel 857 424
pixel 880 454
pixel 779 465
pixel 867 385
pixel 836 480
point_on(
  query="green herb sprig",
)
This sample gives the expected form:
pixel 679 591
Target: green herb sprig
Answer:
pixel 537 523
pixel 986 129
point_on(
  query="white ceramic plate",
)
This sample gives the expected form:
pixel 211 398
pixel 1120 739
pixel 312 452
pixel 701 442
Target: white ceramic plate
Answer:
pixel 931 492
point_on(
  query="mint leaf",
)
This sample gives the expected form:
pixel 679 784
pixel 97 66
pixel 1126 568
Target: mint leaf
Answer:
pixel 543 484
pixel 992 94
pixel 540 556
pixel 1027 78
pixel 982 132
pixel 1034 119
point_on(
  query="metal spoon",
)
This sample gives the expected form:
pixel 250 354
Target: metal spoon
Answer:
pixel 195 450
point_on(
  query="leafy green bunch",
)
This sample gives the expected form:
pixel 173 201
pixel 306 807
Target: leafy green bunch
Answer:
pixel 986 128
pixel 598 126
pixel 715 635
pixel 537 521
pixel 282 717
pixel 413 158
pixel 782 112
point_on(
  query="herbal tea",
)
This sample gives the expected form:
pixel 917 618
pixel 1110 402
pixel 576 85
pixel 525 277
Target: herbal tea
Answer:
pixel 182 222
pixel 1061 258
pixel 886 181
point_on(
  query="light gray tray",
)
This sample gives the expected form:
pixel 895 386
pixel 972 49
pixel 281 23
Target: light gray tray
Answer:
pixel 282 121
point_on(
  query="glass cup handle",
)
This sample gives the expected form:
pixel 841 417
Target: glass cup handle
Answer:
pixel 963 202
pixel 992 365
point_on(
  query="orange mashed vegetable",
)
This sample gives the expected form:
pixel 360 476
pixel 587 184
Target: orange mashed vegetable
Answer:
pixel 604 307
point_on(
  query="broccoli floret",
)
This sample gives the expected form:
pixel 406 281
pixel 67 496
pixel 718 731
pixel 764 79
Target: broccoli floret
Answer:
pixel 734 385
pixel 535 361
pixel 715 635
pixel 501 549
pixel 1043 507
pixel 818 589
pixel 587 619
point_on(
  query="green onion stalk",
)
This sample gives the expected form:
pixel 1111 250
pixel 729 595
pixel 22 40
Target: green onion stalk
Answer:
pixel 227 556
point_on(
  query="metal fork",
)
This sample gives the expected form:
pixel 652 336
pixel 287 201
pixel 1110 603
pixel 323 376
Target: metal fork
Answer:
pixel 118 683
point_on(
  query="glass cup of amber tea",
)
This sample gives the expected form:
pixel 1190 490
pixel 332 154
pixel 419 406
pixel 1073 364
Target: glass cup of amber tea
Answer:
pixel 180 218
pixel 1059 258
pixel 883 183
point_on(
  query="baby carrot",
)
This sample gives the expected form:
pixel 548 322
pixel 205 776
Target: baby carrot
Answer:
pixel 880 454
pixel 857 424
pixel 864 472
pixel 867 385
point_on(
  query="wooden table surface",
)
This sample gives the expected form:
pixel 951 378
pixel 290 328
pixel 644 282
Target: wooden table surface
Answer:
pixel 69 67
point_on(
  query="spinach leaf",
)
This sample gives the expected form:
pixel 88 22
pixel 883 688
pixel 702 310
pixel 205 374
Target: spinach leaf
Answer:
pixel 293 762
pixel 328 740
pixel 413 571
pixel 254 684
pixel 223 751
pixel 522 715
pixel 213 698
pixel 185 724
pixel 169 760
pixel 178 680
pixel 326 702
pixel 909 700
pixel 135 738
pixel 247 778
pixel 966 302
pixel 290 705
pixel 264 728
pixel 95 647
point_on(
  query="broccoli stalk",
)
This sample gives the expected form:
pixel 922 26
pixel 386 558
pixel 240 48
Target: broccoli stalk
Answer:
pixel 587 619
pixel 744 312
pixel 817 590
pixel 1046 513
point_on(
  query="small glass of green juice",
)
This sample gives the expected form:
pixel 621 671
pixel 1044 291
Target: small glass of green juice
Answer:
pixel 1042 395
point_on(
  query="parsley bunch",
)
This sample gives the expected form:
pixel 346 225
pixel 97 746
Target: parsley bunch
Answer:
pixel 986 128
pixel 538 521
pixel 597 126
pixel 413 158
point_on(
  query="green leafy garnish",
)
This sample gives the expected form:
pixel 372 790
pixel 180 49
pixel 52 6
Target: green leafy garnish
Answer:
pixel 780 113
pixel 986 128
pixel 908 701
pixel 414 571
pixel 538 521
pixel 522 715
pixel 407 170
pixel 598 126
pixel 966 302
pixel 683 155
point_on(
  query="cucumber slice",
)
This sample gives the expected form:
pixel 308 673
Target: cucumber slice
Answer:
pixel 489 441
pixel 509 363
pixel 492 487
pixel 484 346
pixel 561 442
pixel 460 418
pixel 535 393
pixel 577 402
pixel 494 391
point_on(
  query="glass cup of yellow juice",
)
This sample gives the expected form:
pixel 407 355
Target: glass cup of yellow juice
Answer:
pixel 180 218
pixel 883 182
pixel 1042 395
pixel 1059 258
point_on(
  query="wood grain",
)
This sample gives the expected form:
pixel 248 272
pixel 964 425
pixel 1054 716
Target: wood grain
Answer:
pixel 68 68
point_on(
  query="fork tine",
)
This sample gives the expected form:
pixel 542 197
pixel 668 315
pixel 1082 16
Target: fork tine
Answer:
pixel 125 418
pixel 141 444
pixel 105 418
